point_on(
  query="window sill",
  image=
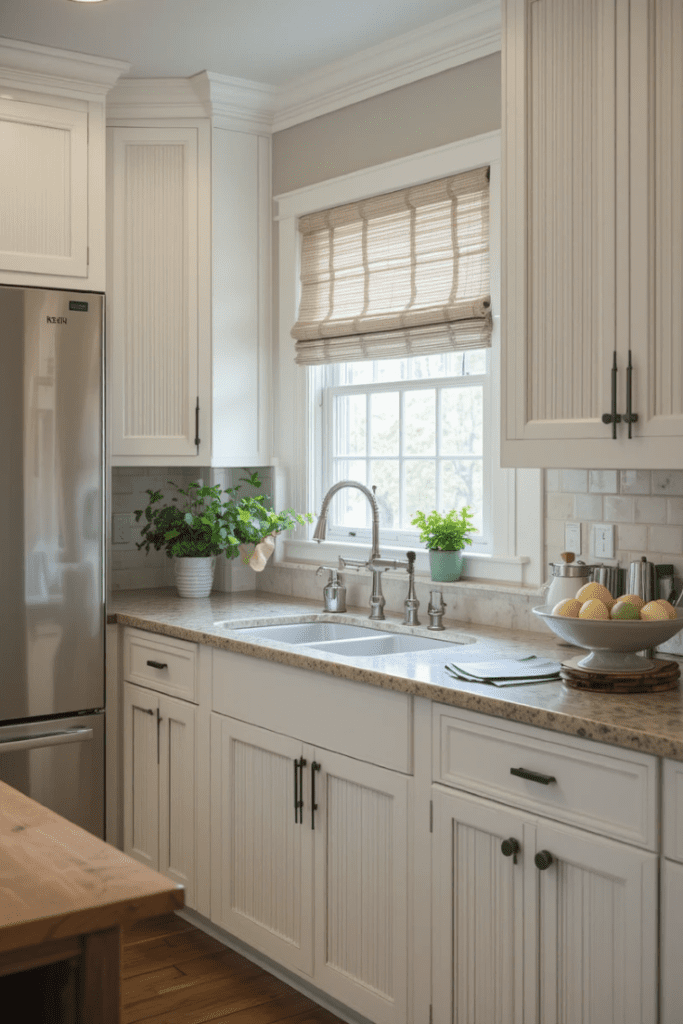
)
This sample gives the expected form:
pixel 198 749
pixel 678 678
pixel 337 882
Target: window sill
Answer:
pixel 480 569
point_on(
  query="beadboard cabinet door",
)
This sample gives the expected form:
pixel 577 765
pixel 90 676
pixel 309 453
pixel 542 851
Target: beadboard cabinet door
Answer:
pixel 262 852
pixel 154 310
pixel 361 879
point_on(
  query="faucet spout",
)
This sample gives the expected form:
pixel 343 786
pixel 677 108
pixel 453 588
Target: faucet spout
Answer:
pixel 321 526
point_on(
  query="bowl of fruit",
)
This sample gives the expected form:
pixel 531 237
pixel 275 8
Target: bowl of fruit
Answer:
pixel 612 629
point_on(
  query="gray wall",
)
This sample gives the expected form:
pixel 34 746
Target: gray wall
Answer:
pixel 453 105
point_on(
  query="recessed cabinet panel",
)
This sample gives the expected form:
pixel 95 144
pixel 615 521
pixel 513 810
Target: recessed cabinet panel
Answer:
pixel 154 310
pixel 43 189
pixel 141 776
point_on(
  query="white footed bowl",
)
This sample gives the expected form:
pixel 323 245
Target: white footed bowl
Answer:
pixel 613 645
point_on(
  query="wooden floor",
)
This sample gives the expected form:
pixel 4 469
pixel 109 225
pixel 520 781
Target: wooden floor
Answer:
pixel 175 974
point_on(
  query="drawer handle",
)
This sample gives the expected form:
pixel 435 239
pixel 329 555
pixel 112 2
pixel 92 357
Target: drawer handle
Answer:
pixel 543 860
pixel 523 773
pixel 157 664
pixel 510 848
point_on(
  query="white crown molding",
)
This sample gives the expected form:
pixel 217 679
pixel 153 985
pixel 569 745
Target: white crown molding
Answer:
pixel 231 102
pixel 30 67
pixel 464 36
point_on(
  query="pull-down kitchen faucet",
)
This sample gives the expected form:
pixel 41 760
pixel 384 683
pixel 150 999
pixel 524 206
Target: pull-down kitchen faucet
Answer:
pixel 375 562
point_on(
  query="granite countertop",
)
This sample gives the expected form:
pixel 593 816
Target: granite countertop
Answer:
pixel 651 723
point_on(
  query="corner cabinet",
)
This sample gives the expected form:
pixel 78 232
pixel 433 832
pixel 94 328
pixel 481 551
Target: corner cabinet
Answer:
pixel 592 211
pixel 52 214
pixel 189 292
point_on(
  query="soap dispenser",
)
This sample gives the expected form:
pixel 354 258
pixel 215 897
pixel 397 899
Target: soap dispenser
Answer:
pixel 334 592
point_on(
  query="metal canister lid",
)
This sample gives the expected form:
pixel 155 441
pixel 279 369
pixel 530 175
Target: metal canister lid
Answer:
pixel 576 569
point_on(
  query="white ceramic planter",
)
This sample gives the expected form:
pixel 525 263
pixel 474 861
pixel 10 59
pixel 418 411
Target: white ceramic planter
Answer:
pixel 194 576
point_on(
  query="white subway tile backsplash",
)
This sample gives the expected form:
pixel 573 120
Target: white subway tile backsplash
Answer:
pixel 560 506
pixel 650 510
pixel 665 539
pixel 602 481
pixel 635 481
pixel 617 509
pixel 574 480
pixel 667 481
pixel 674 511
pixel 552 479
pixel 630 537
pixel 588 506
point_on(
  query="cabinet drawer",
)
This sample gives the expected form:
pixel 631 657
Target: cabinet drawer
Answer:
pixel 355 719
pixel 600 788
pixel 161 663
pixel 672 810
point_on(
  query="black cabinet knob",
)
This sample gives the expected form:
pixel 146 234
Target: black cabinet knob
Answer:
pixel 509 847
pixel 543 860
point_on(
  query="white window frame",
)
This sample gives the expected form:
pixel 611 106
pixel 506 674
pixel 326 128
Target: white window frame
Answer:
pixel 516 499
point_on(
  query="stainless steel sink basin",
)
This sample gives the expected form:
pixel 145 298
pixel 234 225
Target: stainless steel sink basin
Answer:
pixel 307 632
pixel 386 643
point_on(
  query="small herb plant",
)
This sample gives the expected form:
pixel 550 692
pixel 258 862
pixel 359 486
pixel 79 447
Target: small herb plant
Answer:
pixel 197 523
pixel 447 532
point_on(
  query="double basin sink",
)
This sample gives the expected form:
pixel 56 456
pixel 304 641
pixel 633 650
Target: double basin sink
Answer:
pixel 348 640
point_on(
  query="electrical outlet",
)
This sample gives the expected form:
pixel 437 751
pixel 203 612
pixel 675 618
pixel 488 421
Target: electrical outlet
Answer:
pixel 603 540
pixel 572 538
pixel 121 528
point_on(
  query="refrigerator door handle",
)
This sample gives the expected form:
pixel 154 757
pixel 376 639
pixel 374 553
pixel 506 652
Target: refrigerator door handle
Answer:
pixel 46 739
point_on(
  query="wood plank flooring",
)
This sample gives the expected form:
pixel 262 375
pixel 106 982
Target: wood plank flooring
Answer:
pixel 175 974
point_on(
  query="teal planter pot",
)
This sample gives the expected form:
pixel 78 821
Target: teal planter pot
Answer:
pixel 446 566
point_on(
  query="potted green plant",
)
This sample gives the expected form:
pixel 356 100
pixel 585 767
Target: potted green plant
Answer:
pixel 198 524
pixel 445 536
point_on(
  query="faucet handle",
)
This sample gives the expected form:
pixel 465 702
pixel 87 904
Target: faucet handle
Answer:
pixel 411 556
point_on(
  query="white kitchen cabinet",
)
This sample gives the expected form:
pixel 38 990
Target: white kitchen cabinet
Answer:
pixel 159 784
pixel 52 214
pixel 568 938
pixel 593 175
pixel 321 890
pixel 189 288
pixel 671 901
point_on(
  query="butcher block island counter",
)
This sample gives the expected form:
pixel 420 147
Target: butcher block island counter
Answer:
pixel 65 896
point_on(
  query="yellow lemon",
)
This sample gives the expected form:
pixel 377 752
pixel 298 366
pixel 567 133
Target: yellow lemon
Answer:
pixel 624 610
pixel 653 611
pixel 633 599
pixel 594 609
pixel 594 592
pixel 668 608
pixel 570 607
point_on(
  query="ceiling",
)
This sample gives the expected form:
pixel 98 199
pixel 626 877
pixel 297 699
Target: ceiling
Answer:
pixel 269 41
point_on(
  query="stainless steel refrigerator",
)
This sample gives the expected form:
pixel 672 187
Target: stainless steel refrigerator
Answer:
pixel 52 542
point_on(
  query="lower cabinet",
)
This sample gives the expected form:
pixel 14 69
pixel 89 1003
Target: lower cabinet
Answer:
pixel 538 922
pixel 309 863
pixel 159 784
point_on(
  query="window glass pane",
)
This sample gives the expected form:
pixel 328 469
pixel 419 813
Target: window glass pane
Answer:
pixel 350 425
pixel 475 361
pixel 352 373
pixel 420 488
pixel 461 421
pixel 384 423
pixel 462 484
pixel 350 507
pixel 419 426
pixel 384 474
pixel 387 370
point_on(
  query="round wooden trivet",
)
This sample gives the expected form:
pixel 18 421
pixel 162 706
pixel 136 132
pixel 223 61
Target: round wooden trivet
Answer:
pixel 663 677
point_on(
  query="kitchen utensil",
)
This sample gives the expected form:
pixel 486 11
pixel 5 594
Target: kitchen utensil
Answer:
pixel 613 644
pixel 641 579
pixel 608 576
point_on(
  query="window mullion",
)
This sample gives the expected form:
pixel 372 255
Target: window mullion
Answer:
pixel 368 450
pixel 438 436
pixel 401 454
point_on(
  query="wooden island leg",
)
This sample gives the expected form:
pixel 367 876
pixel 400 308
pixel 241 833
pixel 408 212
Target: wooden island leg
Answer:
pixel 100 981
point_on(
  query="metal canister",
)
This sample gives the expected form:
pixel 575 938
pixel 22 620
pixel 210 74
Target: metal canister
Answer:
pixel 641 579
pixel 608 576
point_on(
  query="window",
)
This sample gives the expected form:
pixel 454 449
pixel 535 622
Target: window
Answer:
pixel 344 398
pixel 417 429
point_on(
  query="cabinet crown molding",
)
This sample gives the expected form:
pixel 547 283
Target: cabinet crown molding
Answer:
pixel 44 68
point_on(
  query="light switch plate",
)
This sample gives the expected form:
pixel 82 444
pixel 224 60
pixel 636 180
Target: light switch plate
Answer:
pixel 572 538
pixel 122 528
pixel 603 540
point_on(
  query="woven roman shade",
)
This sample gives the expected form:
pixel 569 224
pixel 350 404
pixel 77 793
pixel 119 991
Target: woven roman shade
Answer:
pixel 405 273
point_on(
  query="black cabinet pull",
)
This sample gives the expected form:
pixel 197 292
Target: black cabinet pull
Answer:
pixel 510 848
pixel 296 791
pixel 157 664
pixel 523 773
pixel 315 767
pixel 197 439
pixel 299 766
pixel 630 417
pixel 543 860
pixel 613 417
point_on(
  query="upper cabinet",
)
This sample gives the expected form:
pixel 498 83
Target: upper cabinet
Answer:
pixel 592 222
pixel 189 285
pixel 52 211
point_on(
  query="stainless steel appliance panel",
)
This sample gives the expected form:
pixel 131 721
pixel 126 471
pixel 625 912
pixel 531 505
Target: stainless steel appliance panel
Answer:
pixel 60 763
pixel 51 503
